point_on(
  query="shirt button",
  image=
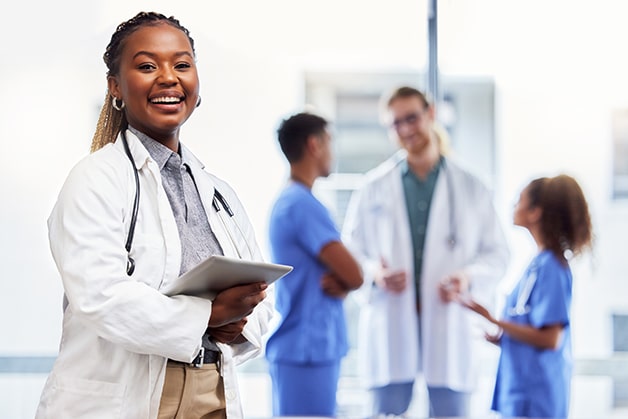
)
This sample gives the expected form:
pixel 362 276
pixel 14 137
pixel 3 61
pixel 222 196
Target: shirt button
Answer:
pixel 230 395
pixel 422 205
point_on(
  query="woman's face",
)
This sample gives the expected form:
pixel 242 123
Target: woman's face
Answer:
pixel 525 215
pixel 157 80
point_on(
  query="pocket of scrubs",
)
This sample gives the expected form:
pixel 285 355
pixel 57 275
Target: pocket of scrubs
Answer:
pixel 72 397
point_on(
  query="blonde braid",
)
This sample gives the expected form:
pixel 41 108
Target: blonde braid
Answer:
pixel 109 124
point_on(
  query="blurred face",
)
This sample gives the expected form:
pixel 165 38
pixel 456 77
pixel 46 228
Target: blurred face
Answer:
pixel 525 215
pixel 325 154
pixel 158 81
pixel 411 124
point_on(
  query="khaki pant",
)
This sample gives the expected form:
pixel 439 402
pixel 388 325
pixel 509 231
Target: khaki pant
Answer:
pixel 192 393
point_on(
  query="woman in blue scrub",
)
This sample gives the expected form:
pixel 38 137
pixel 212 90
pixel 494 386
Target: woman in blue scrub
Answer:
pixel 534 372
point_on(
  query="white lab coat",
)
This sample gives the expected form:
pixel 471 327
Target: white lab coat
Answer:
pixel 377 227
pixel 119 330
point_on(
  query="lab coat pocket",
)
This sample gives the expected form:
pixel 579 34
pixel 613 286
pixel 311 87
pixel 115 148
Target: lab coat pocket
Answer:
pixel 72 397
pixel 383 232
pixel 147 250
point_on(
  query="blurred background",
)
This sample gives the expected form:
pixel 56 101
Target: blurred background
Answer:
pixel 527 88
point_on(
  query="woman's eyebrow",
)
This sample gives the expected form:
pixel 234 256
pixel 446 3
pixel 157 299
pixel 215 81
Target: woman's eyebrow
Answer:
pixel 153 55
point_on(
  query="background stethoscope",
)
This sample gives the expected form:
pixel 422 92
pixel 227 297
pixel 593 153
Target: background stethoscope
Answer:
pixel 523 294
pixel 451 237
pixel 217 202
pixel 451 240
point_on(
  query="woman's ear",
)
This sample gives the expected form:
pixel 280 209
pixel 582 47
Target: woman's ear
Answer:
pixel 114 87
pixel 535 214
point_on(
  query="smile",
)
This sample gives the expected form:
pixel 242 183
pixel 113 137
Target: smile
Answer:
pixel 167 100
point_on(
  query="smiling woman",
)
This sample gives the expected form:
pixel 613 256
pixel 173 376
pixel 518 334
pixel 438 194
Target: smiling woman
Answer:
pixel 153 345
pixel 160 85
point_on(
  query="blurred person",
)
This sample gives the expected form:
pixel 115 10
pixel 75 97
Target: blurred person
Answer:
pixel 424 231
pixel 132 217
pixel 306 349
pixel 535 365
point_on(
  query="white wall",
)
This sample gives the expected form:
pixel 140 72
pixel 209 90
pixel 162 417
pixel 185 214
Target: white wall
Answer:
pixel 559 68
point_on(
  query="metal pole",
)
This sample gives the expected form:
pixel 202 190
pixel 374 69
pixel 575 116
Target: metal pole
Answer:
pixel 432 63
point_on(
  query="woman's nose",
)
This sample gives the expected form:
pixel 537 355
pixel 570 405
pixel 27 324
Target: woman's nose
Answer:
pixel 167 75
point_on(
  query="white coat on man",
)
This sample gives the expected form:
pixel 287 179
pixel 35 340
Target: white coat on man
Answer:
pixel 119 330
pixel 377 229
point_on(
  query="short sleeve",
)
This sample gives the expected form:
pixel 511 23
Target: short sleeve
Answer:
pixel 550 300
pixel 317 228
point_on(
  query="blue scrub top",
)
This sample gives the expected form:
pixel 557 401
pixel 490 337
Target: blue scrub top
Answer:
pixel 532 382
pixel 312 326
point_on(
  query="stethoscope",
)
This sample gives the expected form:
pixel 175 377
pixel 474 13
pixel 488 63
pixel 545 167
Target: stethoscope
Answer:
pixel 523 294
pixel 451 240
pixel 218 201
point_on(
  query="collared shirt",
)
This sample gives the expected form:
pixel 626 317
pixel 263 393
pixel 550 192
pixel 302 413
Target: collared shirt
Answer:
pixel 418 194
pixel 198 241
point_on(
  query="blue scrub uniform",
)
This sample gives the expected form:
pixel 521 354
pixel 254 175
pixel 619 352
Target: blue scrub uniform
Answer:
pixel 305 350
pixel 532 382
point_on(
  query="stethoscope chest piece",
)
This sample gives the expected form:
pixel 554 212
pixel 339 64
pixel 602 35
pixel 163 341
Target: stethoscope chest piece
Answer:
pixel 130 265
pixel 521 306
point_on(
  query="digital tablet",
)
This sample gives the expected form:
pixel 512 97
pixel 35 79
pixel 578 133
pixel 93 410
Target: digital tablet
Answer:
pixel 217 273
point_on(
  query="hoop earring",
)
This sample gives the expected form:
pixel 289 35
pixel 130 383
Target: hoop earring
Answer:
pixel 115 105
pixel 198 102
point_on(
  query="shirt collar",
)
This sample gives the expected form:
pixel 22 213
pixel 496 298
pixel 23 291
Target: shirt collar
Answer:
pixel 405 169
pixel 159 152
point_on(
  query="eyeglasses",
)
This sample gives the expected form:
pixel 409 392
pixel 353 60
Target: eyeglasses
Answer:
pixel 409 119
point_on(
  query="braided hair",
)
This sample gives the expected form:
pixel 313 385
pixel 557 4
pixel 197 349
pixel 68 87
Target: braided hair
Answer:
pixel 112 121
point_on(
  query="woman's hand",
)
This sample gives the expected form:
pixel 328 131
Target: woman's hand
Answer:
pixel 228 333
pixel 483 311
pixel 478 308
pixel 236 303
pixel 494 338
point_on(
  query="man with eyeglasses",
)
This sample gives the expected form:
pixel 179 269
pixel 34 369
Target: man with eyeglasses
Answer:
pixel 426 234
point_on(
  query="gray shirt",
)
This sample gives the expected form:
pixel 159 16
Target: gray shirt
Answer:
pixel 198 241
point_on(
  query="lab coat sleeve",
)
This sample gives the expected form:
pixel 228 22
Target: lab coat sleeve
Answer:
pixel 87 235
pixel 359 237
pixel 492 253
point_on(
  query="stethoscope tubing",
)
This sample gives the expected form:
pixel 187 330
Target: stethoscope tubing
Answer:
pixel 130 266
pixel 217 202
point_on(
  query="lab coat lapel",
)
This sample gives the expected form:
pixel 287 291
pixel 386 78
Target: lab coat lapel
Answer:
pixel 206 188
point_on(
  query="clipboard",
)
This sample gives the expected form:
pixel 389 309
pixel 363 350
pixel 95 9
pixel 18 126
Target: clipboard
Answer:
pixel 218 272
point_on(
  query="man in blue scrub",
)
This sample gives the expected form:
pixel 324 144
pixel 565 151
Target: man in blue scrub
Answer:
pixel 305 350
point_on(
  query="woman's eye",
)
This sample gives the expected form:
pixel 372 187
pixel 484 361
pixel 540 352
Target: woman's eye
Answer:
pixel 183 65
pixel 146 66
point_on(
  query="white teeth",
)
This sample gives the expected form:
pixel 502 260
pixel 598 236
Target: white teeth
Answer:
pixel 166 100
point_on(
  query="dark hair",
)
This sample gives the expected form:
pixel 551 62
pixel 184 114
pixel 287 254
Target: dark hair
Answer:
pixel 294 132
pixel 114 49
pixel 110 121
pixel 565 222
